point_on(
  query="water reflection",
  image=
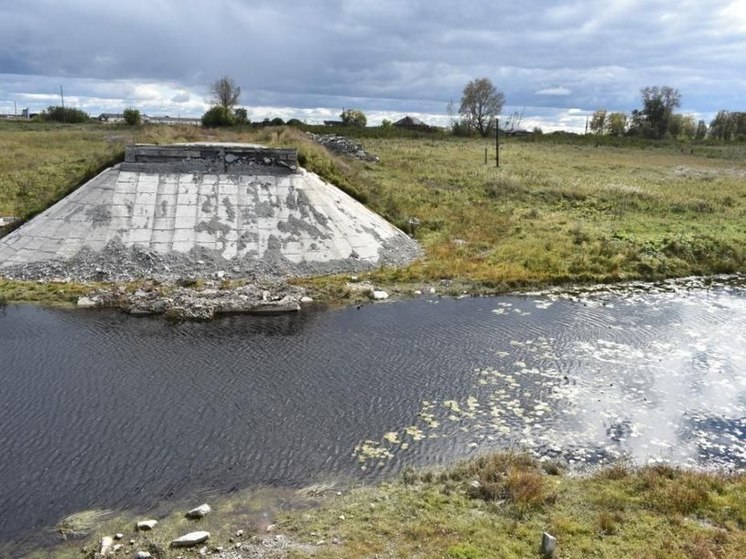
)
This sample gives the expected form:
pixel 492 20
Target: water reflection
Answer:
pixel 99 409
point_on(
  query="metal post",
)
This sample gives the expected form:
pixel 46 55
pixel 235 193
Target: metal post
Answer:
pixel 485 156
pixel 497 142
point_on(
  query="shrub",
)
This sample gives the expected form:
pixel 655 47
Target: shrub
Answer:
pixel 515 478
pixel 218 116
pixel 65 114
pixel 242 117
pixel 132 117
pixel 354 117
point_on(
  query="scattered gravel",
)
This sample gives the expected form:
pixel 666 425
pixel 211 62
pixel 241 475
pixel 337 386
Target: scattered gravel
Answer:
pixel 119 263
pixel 344 146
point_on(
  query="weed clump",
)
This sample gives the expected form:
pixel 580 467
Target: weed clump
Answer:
pixel 511 477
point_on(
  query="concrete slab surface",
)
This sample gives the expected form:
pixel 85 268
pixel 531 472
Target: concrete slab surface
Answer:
pixel 264 215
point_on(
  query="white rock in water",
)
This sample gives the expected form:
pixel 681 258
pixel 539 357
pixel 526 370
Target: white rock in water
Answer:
pixel 379 295
pixel 146 524
pixel 199 512
pixel 86 302
pixel 306 299
pixel 143 555
pixel 191 539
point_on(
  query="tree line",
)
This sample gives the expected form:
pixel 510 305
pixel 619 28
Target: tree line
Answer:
pixel 656 119
pixel 480 105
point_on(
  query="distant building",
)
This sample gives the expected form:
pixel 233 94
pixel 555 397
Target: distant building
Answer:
pixel 410 122
pixel 115 118
pixel 23 116
pixel 172 120
pixel 111 118
pixel 517 132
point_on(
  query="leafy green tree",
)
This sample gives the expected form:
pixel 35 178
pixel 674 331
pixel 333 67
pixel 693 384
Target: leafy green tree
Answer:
pixel 218 116
pixel 354 117
pixel 616 124
pixel 728 125
pixel 481 102
pixel 658 103
pixel 132 117
pixel 386 123
pixel 56 113
pixel 682 127
pixel 225 93
pixel 721 127
pixel 701 133
pixel 241 116
pixel 598 122
pixel 277 121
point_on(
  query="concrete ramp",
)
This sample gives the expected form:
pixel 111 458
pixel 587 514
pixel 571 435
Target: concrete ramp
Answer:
pixel 185 210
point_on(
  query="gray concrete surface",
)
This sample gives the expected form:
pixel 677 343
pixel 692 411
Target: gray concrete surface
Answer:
pixel 174 211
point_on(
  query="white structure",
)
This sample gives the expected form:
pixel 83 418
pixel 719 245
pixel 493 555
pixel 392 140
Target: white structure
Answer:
pixel 245 207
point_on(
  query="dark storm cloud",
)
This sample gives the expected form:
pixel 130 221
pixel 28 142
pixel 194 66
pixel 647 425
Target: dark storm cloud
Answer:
pixel 376 54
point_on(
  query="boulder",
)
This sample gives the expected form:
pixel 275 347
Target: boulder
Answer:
pixel 144 525
pixel 191 539
pixel 548 545
pixel 86 302
pixel 199 512
pixel 107 542
pixel 379 295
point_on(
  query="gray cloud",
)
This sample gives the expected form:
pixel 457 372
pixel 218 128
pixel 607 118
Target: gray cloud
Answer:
pixel 379 55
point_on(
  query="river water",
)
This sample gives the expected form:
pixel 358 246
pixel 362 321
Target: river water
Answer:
pixel 102 410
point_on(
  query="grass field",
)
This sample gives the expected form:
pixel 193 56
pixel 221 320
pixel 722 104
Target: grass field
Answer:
pixel 563 213
pixel 558 210
pixel 495 506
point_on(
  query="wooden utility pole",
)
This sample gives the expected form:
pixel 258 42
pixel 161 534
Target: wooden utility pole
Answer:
pixel 497 142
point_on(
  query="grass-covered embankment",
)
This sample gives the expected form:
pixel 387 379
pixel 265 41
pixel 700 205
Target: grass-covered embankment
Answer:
pixel 560 209
pixel 563 212
pixel 495 506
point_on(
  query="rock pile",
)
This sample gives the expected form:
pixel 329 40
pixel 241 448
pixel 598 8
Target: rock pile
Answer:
pixel 343 146
pixel 199 299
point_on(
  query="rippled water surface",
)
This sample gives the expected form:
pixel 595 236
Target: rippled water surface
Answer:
pixel 99 409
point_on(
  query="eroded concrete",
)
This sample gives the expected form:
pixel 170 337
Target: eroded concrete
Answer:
pixel 169 211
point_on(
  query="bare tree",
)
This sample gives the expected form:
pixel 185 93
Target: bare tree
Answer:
pixel 225 93
pixel 480 103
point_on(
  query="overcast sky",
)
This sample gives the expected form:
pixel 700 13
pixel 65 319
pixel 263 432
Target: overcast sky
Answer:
pixel 556 61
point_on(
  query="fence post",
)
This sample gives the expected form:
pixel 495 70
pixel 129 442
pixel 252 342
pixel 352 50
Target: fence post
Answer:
pixel 497 142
